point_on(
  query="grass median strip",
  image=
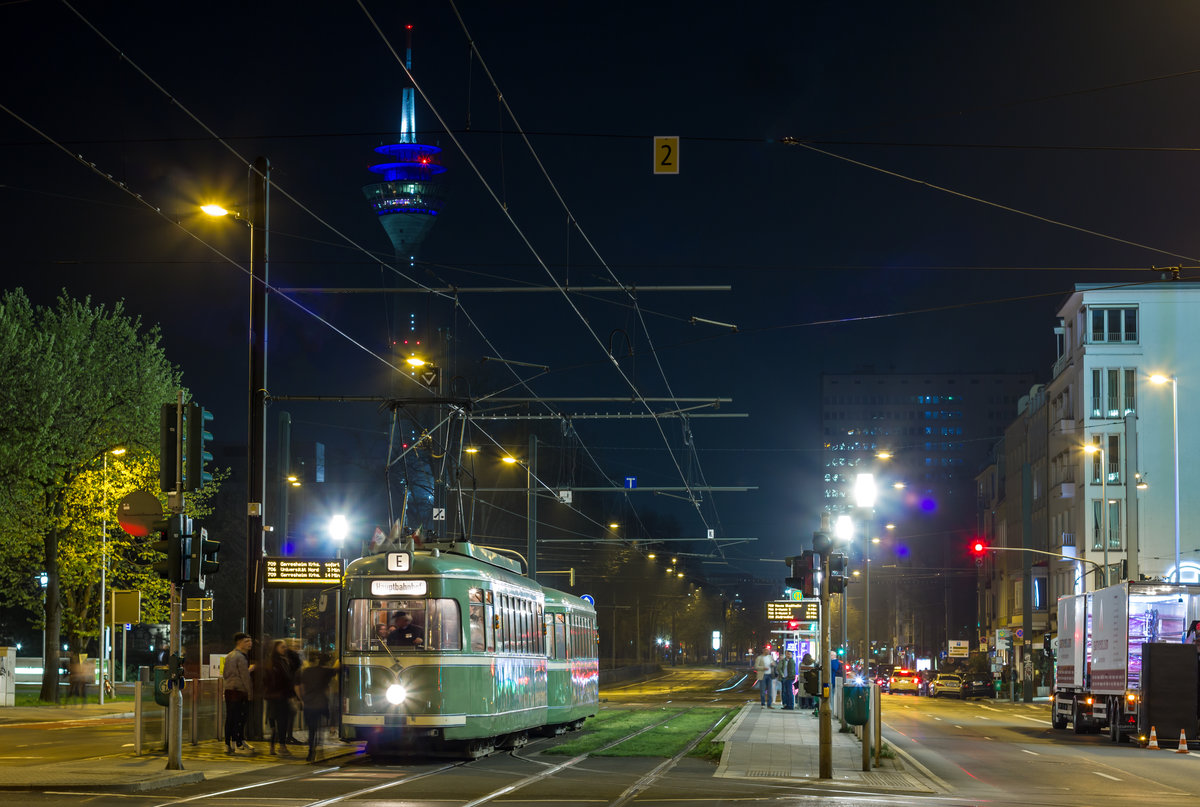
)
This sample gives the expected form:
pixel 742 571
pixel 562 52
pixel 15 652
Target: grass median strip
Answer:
pixel 663 741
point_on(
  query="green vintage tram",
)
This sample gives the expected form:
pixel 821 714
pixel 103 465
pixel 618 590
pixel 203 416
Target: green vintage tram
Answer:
pixel 448 648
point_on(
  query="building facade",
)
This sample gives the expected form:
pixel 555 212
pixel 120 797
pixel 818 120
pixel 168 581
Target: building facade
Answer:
pixel 1096 449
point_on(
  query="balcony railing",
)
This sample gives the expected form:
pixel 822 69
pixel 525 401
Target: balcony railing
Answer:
pixel 1068 539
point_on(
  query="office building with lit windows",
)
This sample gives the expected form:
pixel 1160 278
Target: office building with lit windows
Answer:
pixel 937 429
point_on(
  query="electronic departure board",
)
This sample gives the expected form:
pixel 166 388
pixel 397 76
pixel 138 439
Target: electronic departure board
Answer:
pixel 282 572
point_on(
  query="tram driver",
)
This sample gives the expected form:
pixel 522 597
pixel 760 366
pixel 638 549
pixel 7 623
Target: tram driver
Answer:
pixel 403 632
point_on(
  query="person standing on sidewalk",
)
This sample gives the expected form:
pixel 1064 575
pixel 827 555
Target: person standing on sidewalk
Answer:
pixel 239 688
pixel 764 666
pixel 786 670
pixel 278 689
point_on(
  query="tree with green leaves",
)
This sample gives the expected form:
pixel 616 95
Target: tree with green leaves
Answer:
pixel 91 533
pixel 75 380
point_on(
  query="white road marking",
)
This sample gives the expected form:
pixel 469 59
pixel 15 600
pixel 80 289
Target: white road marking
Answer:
pixel 1106 776
pixel 1027 751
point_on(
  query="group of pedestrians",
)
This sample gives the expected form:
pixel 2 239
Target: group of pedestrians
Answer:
pixel 783 675
pixel 284 680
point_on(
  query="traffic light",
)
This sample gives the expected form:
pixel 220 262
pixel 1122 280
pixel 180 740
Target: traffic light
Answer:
pixel 208 562
pixel 168 447
pixel 196 451
pixel 978 547
pixel 837 573
pixel 793 624
pixel 172 544
pixel 802 573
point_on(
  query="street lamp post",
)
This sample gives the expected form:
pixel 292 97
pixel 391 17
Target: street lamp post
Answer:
pixel 1162 379
pixel 844 530
pixel 1092 448
pixel 256 479
pixel 864 496
pixel 116 452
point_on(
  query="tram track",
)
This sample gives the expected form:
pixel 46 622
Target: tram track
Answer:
pixel 253 791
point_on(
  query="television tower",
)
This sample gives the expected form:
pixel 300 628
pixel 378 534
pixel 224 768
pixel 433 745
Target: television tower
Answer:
pixel 408 198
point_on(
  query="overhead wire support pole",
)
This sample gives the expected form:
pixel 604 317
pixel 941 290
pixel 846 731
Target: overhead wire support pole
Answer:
pixel 256 477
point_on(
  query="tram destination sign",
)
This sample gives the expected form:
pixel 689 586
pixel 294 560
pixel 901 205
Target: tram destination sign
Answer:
pixel 805 610
pixel 294 572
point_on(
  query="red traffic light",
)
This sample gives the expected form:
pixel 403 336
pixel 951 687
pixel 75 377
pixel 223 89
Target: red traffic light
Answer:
pixel 978 547
pixel 793 624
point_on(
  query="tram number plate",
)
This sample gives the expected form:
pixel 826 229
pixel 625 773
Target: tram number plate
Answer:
pixel 399 561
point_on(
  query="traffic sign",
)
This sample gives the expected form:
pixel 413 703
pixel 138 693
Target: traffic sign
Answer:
pixel 630 482
pixel 666 155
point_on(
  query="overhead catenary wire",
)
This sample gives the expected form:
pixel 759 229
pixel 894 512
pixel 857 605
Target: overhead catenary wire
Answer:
pixel 573 219
pixel 158 211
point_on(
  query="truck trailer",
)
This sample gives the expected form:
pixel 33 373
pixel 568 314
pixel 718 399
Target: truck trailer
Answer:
pixel 1101 680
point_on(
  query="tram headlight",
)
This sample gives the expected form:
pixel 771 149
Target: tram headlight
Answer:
pixel 396 694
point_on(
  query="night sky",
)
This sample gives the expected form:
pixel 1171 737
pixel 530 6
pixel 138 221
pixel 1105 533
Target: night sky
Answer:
pixel 958 169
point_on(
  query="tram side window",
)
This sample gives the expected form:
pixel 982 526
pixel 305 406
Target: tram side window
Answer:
pixel 526 628
pixel 539 635
pixel 560 636
pixel 477 620
pixel 488 625
pixel 505 640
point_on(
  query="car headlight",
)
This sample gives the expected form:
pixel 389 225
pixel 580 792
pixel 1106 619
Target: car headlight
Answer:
pixel 396 694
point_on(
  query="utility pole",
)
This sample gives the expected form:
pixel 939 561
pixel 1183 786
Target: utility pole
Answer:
pixel 822 543
pixel 175 663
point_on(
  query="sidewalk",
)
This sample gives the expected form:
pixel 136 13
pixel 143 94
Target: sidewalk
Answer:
pixel 126 773
pixel 774 744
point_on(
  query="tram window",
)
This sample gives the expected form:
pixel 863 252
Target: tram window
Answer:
pixel 478 640
pixel 490 625
pixel 475 599
pixel 504 641
pixel 523 612
pixel 560 636
pixel 374 625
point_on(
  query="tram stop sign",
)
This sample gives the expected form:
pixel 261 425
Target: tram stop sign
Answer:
pixel 139 513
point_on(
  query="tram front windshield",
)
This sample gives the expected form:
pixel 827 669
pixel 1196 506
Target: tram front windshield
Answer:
pixel 403 625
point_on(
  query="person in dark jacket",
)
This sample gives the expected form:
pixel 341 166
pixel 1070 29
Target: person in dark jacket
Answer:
pixel 312 687
pixel 294 665
pixel 278 689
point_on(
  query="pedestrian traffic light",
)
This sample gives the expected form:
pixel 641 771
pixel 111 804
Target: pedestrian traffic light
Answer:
pixel 197 454
pixel 208 561
pixel 837 573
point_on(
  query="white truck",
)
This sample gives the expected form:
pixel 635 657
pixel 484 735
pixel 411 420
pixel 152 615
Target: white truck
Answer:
pixel 1122 665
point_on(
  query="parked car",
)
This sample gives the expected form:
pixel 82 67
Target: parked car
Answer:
pixel 946 684
pixel 903 680
pixel 978 685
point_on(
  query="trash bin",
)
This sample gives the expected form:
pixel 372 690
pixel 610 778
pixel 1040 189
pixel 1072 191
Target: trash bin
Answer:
pixel 162 693
pixel 856 704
